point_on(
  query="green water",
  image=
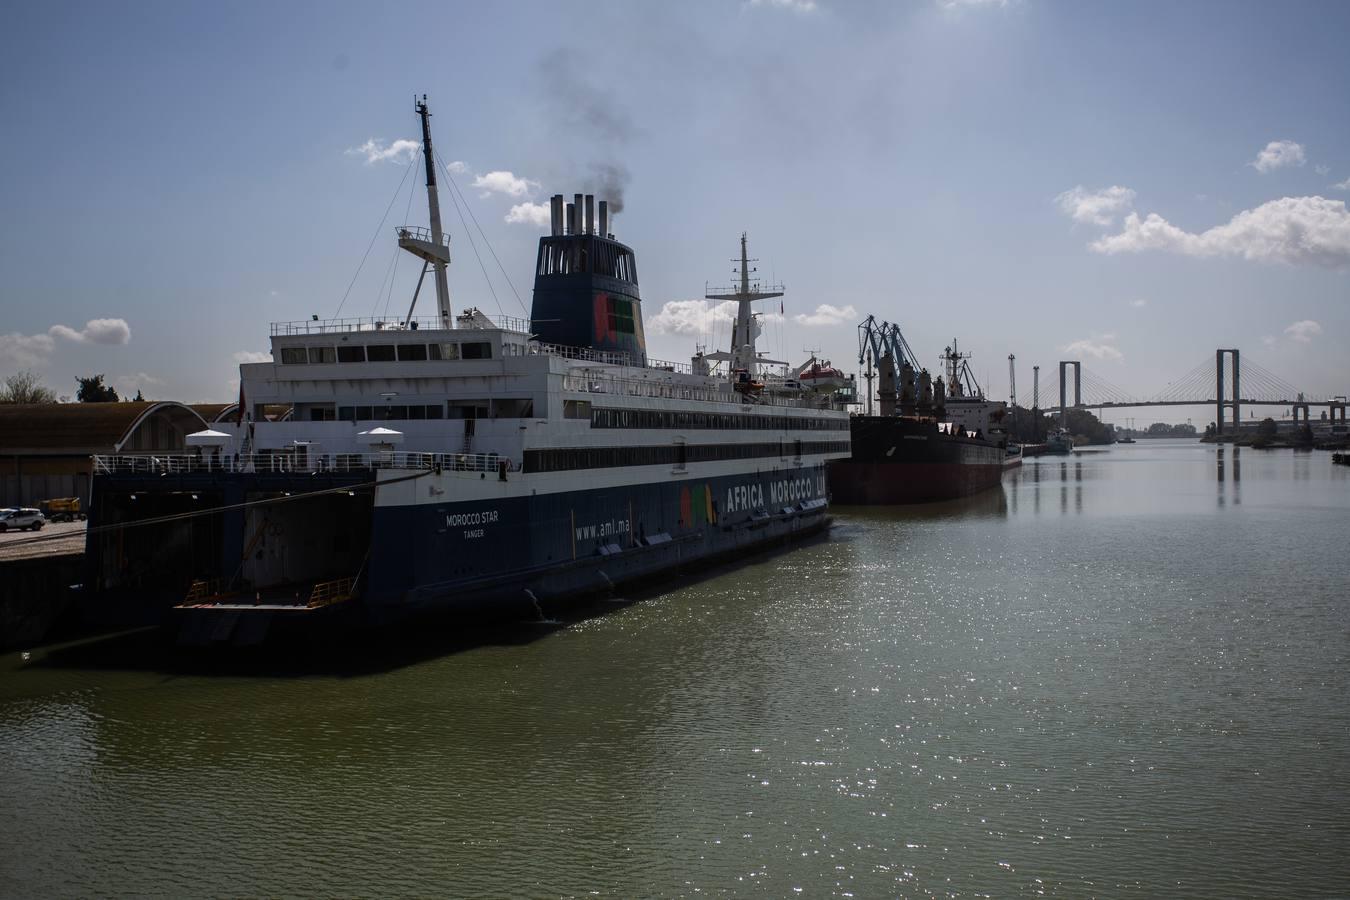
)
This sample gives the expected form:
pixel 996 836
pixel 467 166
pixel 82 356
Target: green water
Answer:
pixel 1126 673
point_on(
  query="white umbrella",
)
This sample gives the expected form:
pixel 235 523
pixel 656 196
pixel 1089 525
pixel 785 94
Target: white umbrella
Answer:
pixel 380 435
pixel 208 438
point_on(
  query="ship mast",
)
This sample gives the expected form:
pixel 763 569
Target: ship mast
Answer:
pixel 431 246
pixel 745 329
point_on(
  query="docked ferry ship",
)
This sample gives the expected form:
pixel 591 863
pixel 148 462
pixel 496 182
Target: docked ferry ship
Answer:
pixel 376 470
pixel 935 439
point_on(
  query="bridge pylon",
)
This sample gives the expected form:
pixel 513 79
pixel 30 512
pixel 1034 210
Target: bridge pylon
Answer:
pixel 1064 388
pixel 1221 403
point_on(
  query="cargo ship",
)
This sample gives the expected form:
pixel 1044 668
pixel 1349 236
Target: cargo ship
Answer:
pixel 933 439
pixel 377 470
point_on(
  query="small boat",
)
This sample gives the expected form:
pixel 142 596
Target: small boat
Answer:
pixel 820 375
pixel 1059 442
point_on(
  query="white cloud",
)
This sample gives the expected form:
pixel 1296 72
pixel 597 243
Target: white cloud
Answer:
pixel 1277 155
pixel 1139 303
pixel 528 213
pixel 504 183
pixel 1303 331
pixel 1268 340
pixel 1294 230
pixel 1098 347
pixel 458 168
pixel 375 150
pixel 1098 207
pixel 34 349
pixel 252 356
pixel 25 350
pixel 95 331
pixel 692 317
pixel 1322 170
pixel 826 314
pixel 797 6
pixel 1342 185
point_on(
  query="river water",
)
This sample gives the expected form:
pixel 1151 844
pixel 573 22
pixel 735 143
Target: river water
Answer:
pixel 1126 673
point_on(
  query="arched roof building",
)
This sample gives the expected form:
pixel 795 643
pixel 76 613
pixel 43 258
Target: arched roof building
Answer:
pixel 46 449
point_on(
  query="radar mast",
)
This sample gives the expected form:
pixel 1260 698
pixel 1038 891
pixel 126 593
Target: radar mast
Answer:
pixel 743 356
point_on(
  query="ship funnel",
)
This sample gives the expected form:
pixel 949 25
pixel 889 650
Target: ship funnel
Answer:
pixel 590 214
pixel 571 218
pixel 604 218
pixel 555 210
pixel 578 200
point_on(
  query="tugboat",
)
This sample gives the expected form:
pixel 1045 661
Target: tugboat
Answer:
pixel 466 464
pixel 1059 442
pixel 932 440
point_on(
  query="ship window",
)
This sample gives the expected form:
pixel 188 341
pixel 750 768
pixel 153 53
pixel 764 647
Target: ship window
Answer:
pixel 444 351
pixel 435 412
pixel 363 414
pixel 477 350
pixel 348 354
pixel 417 412
pixel 293 355
pixel 322 355
pixel 394 412
pixel 380 352
pixel 321 414
pixel 347 413
pixel 412 352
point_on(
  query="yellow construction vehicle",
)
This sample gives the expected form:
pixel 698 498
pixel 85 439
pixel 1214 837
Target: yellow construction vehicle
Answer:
pixel 62 509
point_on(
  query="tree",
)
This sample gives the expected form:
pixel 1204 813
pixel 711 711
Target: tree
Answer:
pixel 140 398
pixel 1267 428
pixel 26 387
pixel 93 390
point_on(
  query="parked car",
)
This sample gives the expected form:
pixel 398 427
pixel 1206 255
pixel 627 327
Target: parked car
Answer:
pixel 21 519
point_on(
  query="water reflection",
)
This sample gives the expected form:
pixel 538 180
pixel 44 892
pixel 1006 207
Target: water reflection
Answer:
pixel 1221 473
pixel 987 504
pixel 926 700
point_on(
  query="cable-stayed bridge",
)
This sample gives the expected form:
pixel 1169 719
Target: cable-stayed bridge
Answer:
pixel 1226 381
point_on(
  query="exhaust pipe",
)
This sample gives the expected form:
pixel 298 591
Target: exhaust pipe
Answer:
pixel 571 218
pixel 555 210
pixel 590 214
pixel 604 218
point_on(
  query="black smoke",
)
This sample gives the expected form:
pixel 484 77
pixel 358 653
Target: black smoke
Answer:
pixel 585 109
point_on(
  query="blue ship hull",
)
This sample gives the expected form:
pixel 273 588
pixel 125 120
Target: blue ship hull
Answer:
pixel 505 557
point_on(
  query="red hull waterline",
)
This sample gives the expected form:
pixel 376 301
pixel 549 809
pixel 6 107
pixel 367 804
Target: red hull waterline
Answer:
pixel 884 484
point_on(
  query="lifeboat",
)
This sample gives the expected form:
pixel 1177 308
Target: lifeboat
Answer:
pixel 821 376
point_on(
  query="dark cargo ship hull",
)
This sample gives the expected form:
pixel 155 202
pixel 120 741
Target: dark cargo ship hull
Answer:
pixel 897 461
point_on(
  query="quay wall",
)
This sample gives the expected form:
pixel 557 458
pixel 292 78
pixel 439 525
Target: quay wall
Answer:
pixel 36 596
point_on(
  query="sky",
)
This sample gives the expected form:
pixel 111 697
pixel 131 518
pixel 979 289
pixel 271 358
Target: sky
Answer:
pixel 1129 184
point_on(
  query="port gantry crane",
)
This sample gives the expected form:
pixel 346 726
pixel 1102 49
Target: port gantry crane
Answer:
pixel 875 340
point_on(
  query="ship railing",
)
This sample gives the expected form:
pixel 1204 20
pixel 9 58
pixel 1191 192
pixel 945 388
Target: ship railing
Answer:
pixel 281 462
pixel 608 357
pixel 326 593
pixel 424 323
pixel 418 233
pixel 598 383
